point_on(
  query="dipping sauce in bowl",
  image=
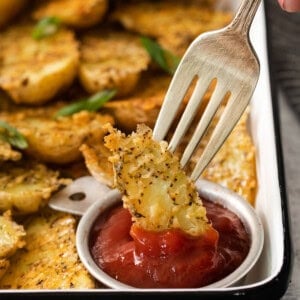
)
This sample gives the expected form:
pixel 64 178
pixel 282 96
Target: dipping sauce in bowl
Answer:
pixel 171 258
pixel 124 257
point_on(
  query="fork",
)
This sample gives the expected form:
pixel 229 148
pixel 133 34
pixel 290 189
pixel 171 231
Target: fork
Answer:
pixel 227 57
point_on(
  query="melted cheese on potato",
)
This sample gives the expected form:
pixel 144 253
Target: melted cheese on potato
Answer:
pixel 156 190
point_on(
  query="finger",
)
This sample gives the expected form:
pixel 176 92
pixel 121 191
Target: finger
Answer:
pixel 290 5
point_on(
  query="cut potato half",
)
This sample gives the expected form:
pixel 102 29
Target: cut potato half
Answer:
pixel 34 71
pixel 111 60
pixel 58 140
pixel 175 24
pixel 25 187
pixel 49 259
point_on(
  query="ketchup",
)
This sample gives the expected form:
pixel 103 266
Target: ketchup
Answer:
pixel 171 258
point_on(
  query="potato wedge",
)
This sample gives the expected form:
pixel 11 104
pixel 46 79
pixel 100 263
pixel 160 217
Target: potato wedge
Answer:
pixel 76 13
pixel 9 9
pixel 33 71
pixel 49 259
pixel 156 190
pixel 26 186
pixel 111 60
pixel 174 24
pixel 58 140
pixel 11 239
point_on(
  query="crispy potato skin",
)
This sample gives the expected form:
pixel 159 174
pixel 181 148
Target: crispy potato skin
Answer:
pixel 26 187
pixel 49 259
pixel 58 140
pixel 177 24
pixel 9 9
pixel 11 239
pixel 76 13
pixel 120 69
pixel 156 190
pixel 34 71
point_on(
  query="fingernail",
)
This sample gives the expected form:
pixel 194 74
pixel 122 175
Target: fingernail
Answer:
pixel 290 5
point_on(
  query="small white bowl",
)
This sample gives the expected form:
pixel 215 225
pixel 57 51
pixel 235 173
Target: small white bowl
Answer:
pixel 207 190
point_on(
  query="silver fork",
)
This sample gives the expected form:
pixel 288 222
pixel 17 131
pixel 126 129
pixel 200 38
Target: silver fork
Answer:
pixel 227 56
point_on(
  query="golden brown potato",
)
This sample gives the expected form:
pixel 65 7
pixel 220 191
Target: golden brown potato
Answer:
pixel 175 24
pixel 33 71
pixel 9 9
pixel 143 105
pixel 11 239
pixel 96 160
pixel 111 60
pixel 7 153
pixel 26 186
pixel 234 165
pixel 49 259
pixel 58 140
pixel 76 13
pixel 156 190
pixel 130 112
pixel 4 264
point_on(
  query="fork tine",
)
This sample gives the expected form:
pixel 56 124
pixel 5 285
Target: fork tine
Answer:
pixel 232 113
pixel 212 106
pixel 189 112
pixel 178 87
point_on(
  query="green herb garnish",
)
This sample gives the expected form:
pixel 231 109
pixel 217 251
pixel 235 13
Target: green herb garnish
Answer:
pixel 46 27
pixel 164 58
pixel 12 136
pixel 92 103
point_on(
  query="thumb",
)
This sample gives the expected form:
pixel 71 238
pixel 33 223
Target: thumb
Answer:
pixel 290 5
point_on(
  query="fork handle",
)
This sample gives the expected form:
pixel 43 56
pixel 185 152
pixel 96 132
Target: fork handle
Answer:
pixel 244 17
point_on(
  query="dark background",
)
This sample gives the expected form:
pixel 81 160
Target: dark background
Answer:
pixel 284 49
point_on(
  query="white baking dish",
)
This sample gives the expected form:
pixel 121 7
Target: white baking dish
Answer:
pixel 270 274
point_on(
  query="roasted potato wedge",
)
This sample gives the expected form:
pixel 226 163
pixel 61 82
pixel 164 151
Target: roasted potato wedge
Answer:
pixel 33 71
pixel 26 186
pixel 156 190
pixel 111 60
pixel 49 259
pixel 9 9
pixel 11 239
pixel 174 24
pixel 58 140
pixel 76 13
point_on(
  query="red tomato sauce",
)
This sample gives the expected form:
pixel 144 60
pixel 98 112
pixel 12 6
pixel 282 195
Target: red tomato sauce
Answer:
pixel 168 259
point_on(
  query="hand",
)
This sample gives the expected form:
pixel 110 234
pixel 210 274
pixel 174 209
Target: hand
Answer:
pixel 290 5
